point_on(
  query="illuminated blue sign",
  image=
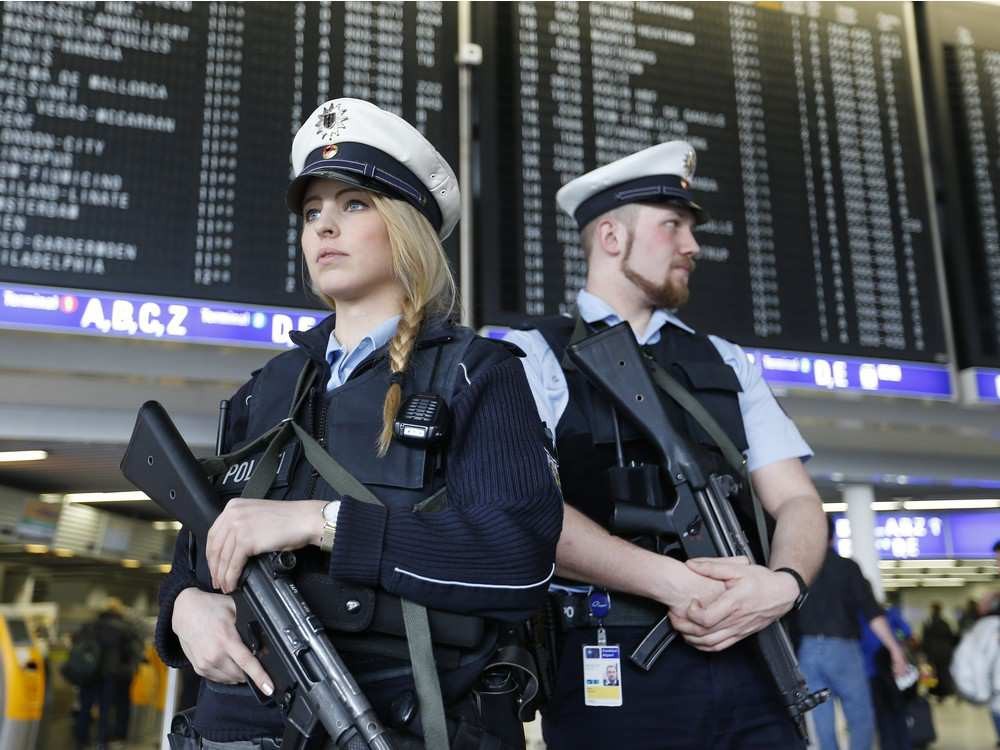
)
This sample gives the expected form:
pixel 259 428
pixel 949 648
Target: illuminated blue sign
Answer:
pixel 831 373
pixel 974 534
pixel 856 374
pixel 928 536
pixel 987 385
pixel 155 318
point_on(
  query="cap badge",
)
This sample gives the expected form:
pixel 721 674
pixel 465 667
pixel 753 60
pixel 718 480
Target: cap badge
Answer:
pixel 689 164
pixel 331 121
pixel 330 151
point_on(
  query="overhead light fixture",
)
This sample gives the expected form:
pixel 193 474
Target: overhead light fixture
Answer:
pixel 15 456
pixel 886 505
pixel 942 582
pixel 164 568
pixel 130 563
pixel 955 504
pixel 63 552
pixel 926 563
pixel 166 525
pixel 104 497
pixel 36 549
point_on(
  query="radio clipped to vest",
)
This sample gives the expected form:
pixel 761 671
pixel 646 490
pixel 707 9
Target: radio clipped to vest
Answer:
pixel 424 421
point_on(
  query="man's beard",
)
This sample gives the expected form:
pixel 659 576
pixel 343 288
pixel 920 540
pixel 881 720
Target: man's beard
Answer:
pixel 667 293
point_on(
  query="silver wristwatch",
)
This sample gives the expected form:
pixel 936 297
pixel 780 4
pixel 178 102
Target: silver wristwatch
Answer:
pixel 330 512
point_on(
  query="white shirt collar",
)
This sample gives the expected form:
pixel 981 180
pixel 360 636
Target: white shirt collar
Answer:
pixel 593 309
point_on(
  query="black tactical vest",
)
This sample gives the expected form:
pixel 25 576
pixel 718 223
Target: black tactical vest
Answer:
pixel 368 624
pixel 585 439
pixel 348 420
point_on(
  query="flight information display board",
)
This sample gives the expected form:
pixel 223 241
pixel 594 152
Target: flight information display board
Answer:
pixel 803 116
pixel 144 147
pixel 961 42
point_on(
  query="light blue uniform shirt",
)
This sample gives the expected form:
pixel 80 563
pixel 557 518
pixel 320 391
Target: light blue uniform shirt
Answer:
pixel 772 436
pixel 342 365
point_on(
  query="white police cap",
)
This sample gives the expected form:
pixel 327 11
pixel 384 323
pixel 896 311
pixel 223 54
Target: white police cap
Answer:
pixel 654 175
pixel 356 142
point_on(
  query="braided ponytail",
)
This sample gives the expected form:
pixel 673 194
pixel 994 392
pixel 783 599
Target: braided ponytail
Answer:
pixel 400 349
pixel 420 265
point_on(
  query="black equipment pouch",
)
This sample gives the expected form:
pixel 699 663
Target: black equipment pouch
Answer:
pixel 513 672
pixel 469 722
pixel 182 735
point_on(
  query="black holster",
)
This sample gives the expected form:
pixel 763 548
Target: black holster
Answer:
pixel 182 735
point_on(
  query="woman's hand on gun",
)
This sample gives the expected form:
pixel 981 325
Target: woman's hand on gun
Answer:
pixel 248 527
pixel 205 624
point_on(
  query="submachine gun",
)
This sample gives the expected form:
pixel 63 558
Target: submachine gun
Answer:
pixel 701 521
pixel 312 685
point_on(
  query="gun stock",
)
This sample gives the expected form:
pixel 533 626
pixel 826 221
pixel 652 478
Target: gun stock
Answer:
pixel 611 359
pixel 159 462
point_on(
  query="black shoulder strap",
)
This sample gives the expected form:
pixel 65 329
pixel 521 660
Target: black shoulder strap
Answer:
pixel 733 456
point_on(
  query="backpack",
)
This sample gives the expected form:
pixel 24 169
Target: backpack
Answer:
pixel 975 666
pixel 83 665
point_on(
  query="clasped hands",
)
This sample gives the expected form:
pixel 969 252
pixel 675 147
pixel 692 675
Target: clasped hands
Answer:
pixel 749 599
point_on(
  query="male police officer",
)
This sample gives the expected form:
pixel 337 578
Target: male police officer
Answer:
pixel 710 690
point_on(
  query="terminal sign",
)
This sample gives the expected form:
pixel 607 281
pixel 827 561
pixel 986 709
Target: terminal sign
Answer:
pixel 158 318
pixel 914 536
pixel 905 537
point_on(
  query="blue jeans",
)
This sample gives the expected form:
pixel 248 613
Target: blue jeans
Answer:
pixel 837 663
pixel 101 692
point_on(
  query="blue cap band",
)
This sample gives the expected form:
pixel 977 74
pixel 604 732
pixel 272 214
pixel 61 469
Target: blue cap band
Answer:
pixel 653 189
pixel 368 168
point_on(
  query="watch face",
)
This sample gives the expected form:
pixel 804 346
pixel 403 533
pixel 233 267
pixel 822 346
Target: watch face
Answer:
pixel 331 511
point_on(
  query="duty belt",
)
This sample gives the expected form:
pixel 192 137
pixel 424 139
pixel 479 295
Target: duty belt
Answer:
pixel 572 611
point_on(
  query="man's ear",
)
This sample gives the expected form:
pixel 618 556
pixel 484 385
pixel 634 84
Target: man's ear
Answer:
pixel 609 234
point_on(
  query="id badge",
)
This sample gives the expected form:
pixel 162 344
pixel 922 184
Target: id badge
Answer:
pixel 602 675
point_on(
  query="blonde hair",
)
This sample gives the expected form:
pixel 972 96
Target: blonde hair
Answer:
pixel 421 266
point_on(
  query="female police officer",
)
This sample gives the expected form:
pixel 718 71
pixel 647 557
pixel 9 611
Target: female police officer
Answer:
pixel 375 200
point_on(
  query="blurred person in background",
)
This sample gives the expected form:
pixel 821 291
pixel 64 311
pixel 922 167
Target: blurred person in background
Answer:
pixel 975 668
pixel 830 651
pixel 938 642
pixel 888 701
pixel 119 649
pixel 970 613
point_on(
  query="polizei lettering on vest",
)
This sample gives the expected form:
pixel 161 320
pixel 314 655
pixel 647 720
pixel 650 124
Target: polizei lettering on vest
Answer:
pixel 240 472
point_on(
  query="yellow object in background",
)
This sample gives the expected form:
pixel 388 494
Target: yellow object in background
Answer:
pixel 149 681
pixel 23 672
